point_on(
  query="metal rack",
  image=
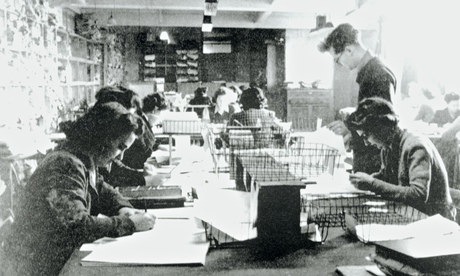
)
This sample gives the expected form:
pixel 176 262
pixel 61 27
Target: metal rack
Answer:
pixel 349 210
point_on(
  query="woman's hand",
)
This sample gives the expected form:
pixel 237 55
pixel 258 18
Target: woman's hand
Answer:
pixel 338 127
pixel 143 221
pixel 127 211
pixel 362 181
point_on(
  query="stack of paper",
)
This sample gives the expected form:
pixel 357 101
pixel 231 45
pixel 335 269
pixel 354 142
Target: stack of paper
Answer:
pixel 174 240
pixel 434 226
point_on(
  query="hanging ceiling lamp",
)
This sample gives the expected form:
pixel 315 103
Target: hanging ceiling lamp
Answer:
pixel 111 21
pixel 207 24
pixel 164 36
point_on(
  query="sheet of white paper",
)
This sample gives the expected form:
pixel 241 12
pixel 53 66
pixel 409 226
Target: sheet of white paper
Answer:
pixel 229 211
pixel 173 213
pixel 434 226
pixel 421 247
pixel 338 183
pixel 96 244
pixel 172 241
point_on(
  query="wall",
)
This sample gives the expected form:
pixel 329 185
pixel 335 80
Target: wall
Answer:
pixel 247 62
pixel 133 55
pixel 303 60
pixel 305 63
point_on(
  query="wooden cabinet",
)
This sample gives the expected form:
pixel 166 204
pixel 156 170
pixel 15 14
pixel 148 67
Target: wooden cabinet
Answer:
pixel 304 106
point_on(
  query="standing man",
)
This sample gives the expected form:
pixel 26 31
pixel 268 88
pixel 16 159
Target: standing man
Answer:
pixel 374 80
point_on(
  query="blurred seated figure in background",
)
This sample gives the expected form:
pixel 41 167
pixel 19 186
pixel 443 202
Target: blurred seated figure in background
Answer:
pixel 224 105
pixel 129 171
pixel 237 91
pixel 58 211
pixel 254 114
pixel 416 107
pixel 154 106
pixel 201 98
pixel 253 103
pixel 412 170
pixel 448 114
pixel 449 120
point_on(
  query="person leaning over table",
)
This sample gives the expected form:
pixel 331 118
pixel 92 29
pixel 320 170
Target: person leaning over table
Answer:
pixel 448 114
pixel 374 80
pixel 154 106
pixel 59 209
pixel 130 170
pixel 412 170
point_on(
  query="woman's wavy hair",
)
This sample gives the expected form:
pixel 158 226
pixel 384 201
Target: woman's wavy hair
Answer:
pixel 252 98
pixel 126 97
pixel 374 115
pixel 154 101
pixel 102 124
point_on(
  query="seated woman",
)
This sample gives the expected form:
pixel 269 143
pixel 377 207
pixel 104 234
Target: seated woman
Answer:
pixel 58 211
pixel 201 98
pixel 154 107
pixel 129 171
pixel 253 103
pixel 416 107
pixel 224 105
pixel 412 170
pixel 450 113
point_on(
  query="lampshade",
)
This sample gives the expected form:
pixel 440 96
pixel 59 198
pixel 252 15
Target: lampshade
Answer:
pixel 207 24
pixel 164 35
pixel 210 7
pixel 111 21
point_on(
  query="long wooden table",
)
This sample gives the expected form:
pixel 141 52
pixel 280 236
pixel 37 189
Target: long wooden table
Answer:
pixel 320 259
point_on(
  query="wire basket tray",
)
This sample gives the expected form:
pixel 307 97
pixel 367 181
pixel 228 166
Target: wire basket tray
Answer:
pixel 268 155
pixel 349 210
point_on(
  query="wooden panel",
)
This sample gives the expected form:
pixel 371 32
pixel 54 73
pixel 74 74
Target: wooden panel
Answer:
pixel 304 106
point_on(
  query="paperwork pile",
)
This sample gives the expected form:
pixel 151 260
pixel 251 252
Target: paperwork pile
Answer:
pixel 175 239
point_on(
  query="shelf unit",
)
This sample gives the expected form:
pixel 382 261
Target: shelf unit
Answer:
pixel 187 65
pixel 80 66
pixel 28 57
pixel 161 60
pixel 158 61
pixel 48 70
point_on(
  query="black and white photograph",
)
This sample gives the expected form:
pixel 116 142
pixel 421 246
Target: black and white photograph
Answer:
pixel 229 137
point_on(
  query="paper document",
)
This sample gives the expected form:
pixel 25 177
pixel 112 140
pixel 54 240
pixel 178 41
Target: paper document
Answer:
pixel 172 241
pixel 232 212
pixel 426 229
pixel 420 247
pixel 338 183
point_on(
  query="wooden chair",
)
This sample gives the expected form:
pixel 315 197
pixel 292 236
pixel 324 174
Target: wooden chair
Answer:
pixel 455 194
pixel 6 220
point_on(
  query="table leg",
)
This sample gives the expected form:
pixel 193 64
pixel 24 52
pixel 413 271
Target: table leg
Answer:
pixel 170 149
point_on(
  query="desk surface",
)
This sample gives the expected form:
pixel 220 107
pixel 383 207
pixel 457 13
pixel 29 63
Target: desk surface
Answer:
pixel 338 250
